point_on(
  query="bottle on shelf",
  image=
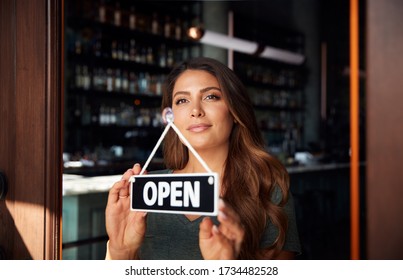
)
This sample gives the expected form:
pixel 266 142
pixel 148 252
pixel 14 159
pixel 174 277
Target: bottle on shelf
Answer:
pixel 78 46
pixel 118 81
pixel 132 18
pixel 133 83
pixel 162 56
pixel 155 26
pixel 126 51
pixel 125 81
pixel 178 29
pixel 102 12
pixel 150 55
pixel 170 58
pixel 97 45
pixel 78 77
pixel 102 115
pixel 132 50
pixel 120 52
pixel 109 80
pixel 117 15
pixel 168 27
pixel 114 49
pixel 112 116
pixel 86 78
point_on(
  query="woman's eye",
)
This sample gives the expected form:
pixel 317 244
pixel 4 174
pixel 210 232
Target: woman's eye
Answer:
pixel 212 97
pixel 180 101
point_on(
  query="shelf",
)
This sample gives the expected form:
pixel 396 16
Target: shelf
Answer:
pixel 268 85
pixel 109 29
pixel 107 62
pixel 129 130
pixel 145 99
pixel 114 78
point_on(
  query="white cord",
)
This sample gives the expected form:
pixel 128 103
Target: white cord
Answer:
pixel 185 141
pixel 155 148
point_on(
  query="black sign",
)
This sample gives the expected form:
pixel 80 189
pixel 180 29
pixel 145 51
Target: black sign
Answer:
pixel 175 193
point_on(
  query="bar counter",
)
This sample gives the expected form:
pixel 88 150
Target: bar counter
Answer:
pixel 78 184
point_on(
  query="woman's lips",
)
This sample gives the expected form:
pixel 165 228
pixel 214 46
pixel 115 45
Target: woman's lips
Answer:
pixel 198 127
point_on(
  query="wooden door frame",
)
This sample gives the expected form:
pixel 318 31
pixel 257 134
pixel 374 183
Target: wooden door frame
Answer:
pixel 31 110
pixel 54 133
pixel 384 192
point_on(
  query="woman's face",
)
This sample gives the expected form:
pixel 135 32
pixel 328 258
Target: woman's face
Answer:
pixel 200 111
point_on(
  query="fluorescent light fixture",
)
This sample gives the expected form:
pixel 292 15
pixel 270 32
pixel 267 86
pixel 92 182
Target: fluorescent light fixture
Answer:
pixel 231 43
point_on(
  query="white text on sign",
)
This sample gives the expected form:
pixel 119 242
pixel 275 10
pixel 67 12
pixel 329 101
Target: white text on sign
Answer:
pixel 178 193
pixel 194 193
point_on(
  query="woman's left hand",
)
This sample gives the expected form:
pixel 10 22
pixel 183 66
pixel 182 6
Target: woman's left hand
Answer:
pixel 221 242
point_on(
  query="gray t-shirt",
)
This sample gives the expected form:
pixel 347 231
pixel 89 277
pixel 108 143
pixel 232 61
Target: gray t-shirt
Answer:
pixel 175 237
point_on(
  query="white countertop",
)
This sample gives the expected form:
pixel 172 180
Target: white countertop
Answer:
pixel 77 184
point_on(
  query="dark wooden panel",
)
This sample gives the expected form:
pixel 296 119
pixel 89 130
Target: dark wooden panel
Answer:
pixel 30 124
pixel 384 131
pixel 7 117
pixel 30 115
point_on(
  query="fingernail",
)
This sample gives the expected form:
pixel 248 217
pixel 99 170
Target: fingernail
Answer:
pixel 137 164
pixel 215 229
pixel 145 214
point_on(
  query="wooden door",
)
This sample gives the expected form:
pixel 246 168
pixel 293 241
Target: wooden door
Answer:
pixel 30 128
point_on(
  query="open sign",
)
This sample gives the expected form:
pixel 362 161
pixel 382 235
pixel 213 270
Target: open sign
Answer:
pixel 175 193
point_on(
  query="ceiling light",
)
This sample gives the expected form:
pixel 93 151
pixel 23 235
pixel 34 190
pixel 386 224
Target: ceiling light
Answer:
pixel 231 43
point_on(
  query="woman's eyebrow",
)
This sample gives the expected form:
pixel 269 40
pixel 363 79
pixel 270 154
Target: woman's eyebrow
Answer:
pixel 203 90
pixel 181 92
pixel 209 88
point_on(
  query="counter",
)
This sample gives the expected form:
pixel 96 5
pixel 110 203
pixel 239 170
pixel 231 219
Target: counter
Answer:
pixel 78 184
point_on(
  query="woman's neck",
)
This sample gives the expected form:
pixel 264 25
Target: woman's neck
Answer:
pixel 215 160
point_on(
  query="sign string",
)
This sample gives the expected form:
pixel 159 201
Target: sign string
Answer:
pixel 167 116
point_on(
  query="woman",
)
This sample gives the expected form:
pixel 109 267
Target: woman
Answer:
pixel 256 217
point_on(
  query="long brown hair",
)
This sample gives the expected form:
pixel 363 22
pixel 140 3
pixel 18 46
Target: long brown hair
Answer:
pixel 250 172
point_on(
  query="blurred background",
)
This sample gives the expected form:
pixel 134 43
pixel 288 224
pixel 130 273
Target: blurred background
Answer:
pixel 117 56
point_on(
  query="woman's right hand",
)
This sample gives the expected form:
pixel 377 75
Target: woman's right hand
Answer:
pixel 125 228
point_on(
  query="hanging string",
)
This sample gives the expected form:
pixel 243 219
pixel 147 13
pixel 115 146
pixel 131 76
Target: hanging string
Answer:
pixel 168 118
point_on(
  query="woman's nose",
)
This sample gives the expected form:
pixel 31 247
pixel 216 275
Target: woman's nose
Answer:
pixel 197 111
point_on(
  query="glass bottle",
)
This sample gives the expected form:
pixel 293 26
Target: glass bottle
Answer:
pixel 102 12
pixel 167 27
pixel 162 56
pixel 132 50
pixel 178 30
pixel 117 15
pixel 150 56
pixel 155 24
pixel 78 76
pixel 114 49
pixel 132 18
